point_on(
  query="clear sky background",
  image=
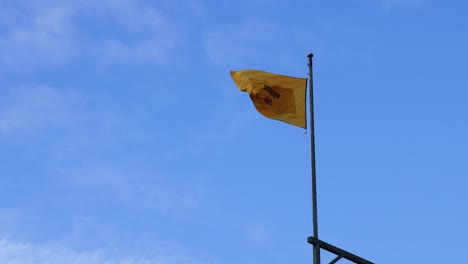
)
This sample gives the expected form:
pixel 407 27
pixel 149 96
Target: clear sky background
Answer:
pixel 124 140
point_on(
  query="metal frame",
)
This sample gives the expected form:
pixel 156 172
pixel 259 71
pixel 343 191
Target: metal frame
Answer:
pixel 337 251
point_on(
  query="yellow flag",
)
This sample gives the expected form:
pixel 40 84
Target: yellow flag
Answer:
pixel 275 96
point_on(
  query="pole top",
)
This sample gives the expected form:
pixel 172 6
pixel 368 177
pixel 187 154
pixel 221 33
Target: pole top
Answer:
pixel 310 55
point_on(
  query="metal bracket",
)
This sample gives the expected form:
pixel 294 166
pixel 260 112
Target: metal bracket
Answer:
pixel 335 260
pixel 337 251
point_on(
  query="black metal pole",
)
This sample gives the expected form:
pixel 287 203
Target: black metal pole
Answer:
pixel 314 177
pixel 319 244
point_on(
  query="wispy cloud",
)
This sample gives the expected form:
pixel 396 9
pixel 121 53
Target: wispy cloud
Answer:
pixel 401 3
pixel 45 33
pixel 83 155
pixel 221 129
pixel 151 193
pixel 147 51
pixel 256 40
pixel 26 253
pixel 33 107
pixel 37 35
pixel 93 156
pixel 155 33
pixel 257 234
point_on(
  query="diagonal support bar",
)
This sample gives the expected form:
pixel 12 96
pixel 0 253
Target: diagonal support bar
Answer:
pixel 337 251
pixel 335 260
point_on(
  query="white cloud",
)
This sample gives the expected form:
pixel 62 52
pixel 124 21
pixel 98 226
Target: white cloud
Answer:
pixel 41 38
pixel 11 219
pixel 401 3
pixel 44 33
pixel 82 126
pixel 147 51
pixel 223 127
pixel 256 40
pixel 137 16
pixel 26 253
pixel 33 107
pixel 257 234
pixel 136 190
pixel 147 33
pixel 226 42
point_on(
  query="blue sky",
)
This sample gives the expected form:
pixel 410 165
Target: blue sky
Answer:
pixel 124 140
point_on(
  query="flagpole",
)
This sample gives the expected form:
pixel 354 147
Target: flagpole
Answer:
pixel 319 244
pixel 314 176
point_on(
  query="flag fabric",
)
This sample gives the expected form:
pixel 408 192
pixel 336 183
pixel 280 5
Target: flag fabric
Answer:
pixel 275 96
